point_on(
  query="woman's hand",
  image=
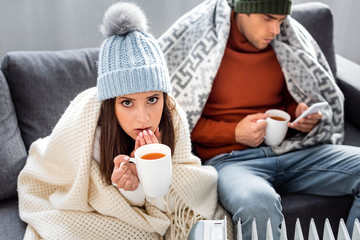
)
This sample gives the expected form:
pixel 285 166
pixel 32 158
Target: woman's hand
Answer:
pixel 307 123
pixel 124 174
pixel 146 137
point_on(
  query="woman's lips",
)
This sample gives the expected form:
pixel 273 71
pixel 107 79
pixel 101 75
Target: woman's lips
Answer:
pixel 138 130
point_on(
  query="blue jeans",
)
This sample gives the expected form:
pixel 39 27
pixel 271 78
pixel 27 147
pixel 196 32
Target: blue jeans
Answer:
pixel 248 179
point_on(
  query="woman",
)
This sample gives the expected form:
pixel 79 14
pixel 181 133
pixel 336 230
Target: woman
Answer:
pixel 66 190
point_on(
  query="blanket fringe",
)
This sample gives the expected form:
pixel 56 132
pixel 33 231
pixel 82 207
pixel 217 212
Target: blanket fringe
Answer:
pixel 182 218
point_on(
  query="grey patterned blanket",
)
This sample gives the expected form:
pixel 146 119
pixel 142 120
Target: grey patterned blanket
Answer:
pixel 194 46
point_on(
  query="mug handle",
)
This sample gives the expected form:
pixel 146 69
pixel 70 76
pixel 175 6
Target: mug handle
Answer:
pixel 132 160
pixel 260 120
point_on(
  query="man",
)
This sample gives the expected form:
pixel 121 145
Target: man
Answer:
pixel 228 76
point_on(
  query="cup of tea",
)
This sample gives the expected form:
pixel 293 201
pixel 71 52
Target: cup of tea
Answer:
pixel 277 126
pixel 154 168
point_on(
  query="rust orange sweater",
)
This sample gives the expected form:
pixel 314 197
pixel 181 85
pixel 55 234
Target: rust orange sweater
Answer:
pixel 248 81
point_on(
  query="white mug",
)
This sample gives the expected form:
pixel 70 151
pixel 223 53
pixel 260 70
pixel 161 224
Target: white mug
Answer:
pixel 155 174
pixel 276 129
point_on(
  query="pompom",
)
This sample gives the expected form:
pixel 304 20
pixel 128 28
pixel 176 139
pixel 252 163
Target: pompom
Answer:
pixel 123 17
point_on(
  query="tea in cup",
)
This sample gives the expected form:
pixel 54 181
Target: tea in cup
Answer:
pixel 277 126
pixel 154 168
pixel 153 156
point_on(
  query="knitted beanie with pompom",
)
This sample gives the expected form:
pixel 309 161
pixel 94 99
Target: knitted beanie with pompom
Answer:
pixel 130 59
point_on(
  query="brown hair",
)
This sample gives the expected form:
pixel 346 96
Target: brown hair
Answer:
pixel 114 140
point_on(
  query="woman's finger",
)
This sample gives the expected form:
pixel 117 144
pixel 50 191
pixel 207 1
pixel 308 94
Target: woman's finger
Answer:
pixel 137 142
pixel 120 159
pixel 141 139
pixel 153 137
pixel 135 183
pixel 158 134
pixel 147 137
pixel 124 178
pixel 128 185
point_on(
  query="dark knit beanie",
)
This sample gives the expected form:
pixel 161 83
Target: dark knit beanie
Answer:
pixel 281 7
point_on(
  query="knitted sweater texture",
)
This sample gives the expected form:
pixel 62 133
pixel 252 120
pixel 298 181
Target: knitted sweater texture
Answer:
pixel 194 47
pixel 62 195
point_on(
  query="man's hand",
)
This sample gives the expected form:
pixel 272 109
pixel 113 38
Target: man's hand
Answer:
pixel 249 132
pixel 307 123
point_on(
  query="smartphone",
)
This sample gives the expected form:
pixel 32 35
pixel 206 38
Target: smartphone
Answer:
pixel 316 107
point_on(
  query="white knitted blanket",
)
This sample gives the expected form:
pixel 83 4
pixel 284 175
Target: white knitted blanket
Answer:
pixel 194 46
pixel 62 195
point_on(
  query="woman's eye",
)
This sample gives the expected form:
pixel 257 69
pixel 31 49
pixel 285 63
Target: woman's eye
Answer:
pixel 153 100
pixel 126 103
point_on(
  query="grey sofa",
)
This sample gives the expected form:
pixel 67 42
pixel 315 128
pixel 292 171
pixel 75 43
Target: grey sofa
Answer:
pixel 36 87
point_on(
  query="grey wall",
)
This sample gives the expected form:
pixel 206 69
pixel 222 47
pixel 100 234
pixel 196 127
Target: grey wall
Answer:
pixel 346 26
pixel 70 24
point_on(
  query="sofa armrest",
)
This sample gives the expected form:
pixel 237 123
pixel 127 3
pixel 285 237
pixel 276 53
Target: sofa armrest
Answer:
pixel 348 75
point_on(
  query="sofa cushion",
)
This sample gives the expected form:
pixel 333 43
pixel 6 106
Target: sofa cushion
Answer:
pixel 43 83
pixel 12 150
pixel 352 135
pixel 317 18
pixel 11 226
pixel 348 81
